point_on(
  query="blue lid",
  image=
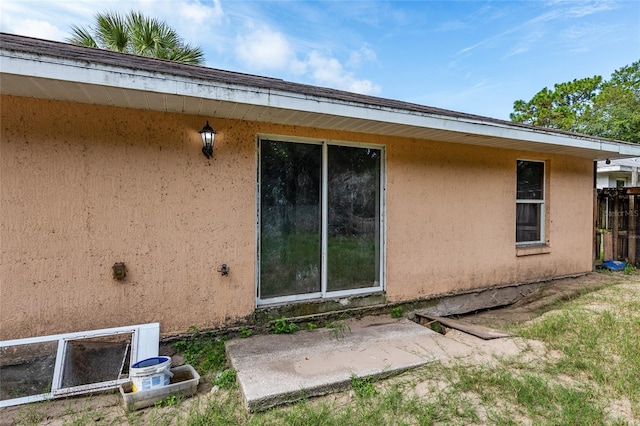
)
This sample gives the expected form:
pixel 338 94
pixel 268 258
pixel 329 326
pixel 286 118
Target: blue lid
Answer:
pixel 149 362
pixel 614 265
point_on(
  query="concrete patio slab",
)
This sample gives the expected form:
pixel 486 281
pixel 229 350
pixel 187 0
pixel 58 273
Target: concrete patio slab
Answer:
pixel 277 369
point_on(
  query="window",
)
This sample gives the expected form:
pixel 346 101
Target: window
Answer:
pixel 530 203
pixel 320 230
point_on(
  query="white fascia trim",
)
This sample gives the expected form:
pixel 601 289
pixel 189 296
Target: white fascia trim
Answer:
pixel 614 169
pixel 55 68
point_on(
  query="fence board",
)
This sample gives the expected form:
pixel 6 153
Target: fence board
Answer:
pixel 617 224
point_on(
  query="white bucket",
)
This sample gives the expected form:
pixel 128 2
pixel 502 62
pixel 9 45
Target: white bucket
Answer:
pixel 150 373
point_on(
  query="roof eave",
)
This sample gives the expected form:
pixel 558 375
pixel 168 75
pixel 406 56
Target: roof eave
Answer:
pixel 54 77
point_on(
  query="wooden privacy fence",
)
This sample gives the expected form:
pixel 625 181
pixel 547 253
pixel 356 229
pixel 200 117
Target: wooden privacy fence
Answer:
pixel 618 224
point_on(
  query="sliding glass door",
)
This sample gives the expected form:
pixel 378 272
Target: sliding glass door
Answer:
pixel 320 220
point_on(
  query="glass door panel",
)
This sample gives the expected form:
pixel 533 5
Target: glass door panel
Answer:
pixel 290 218
pixel 353 222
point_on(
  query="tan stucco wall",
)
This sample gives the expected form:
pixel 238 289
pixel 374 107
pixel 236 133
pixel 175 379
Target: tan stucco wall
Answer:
pixel 451 219
pixel 85 186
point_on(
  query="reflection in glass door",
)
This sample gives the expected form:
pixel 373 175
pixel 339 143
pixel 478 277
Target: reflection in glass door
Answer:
pixel 320 220
pixel 353 224
pixel 290 195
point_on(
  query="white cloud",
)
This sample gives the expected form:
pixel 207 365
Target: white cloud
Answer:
pixel 535 28
pixel 364 87
pixel 582 38
pixel 364 54
pixel 35 28
pixel 298 68
pixel 329 72
pixel 325 70
pixel 200 14
pixel 264 48
pixel 587 8
pixel 21 18
pixel 526 43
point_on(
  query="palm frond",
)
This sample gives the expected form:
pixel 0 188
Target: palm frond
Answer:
pixel 187 54
pixel 137 34
pixel 81 36
pixel 150 36
pixel 112 32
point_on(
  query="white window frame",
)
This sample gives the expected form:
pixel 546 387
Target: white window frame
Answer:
pixel 144 344
pixel 323 293
pixel 541 202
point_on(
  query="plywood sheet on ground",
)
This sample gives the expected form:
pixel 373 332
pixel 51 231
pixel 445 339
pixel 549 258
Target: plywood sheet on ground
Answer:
pixel 480 331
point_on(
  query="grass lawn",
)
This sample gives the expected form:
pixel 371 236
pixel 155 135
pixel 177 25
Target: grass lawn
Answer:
pixel 579 365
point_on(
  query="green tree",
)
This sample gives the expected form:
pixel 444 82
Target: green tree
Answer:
pixel 592 106
pixel 136 34
pixel 616 110
pixel 560 108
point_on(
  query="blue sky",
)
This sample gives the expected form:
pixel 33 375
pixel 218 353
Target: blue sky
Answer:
pixel 471 56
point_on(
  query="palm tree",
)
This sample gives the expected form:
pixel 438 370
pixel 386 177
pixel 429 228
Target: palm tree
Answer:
pixel 136 34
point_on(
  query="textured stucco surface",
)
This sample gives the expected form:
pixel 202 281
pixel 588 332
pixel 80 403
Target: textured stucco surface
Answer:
pixel 85 186
pixel 451 218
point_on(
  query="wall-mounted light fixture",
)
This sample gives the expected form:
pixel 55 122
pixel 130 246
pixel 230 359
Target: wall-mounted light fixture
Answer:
pixel 208 135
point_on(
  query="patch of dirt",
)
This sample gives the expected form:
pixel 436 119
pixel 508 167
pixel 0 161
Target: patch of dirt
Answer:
pixel 544 299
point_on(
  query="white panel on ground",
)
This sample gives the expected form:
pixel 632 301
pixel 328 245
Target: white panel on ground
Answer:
pixel 46 367
pixel 147 339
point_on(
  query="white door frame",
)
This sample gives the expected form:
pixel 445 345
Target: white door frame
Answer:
pixel 323 293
